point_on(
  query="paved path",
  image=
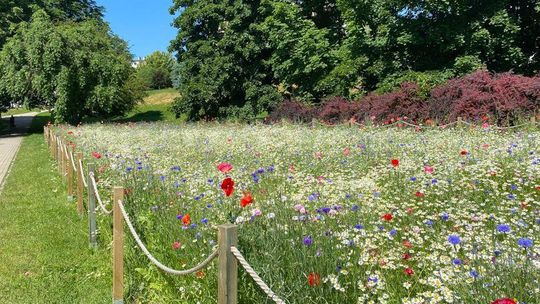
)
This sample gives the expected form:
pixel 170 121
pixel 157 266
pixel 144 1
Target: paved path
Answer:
pixel 10 143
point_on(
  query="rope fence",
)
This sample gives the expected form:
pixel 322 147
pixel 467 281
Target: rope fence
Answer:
pixel 238 255
pixel 227 252
pixel 152 259
pixel 96 192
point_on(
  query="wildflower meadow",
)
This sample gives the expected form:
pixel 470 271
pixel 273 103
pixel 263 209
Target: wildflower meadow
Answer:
pixel 327 215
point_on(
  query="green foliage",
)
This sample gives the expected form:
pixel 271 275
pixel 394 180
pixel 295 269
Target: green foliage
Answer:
pixel 425 80
pixel 311 49
pixel 79 68
pixel 156 70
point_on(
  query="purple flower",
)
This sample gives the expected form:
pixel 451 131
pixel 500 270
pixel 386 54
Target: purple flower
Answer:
pixel 474 273
pixel 454 239
pixel 392 232
pixel 525 242
pixel 308 241
pixel 456 261
pixel 503 228
pixel 445 216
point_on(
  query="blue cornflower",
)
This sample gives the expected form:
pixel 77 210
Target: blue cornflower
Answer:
pixel 429 223
pixel 513 187
pixel 474 273
pixel 255 177
pixel 445 216
pixel 457 261
pixel 312 197
pixel 454 239
pixel 525 242
pixel 308 240
pixel 210 181
pixel 538 221
pixel 326 209
pixel 209 206
pixel 260 171
pixel 355 208
pixel 511 197
pixel 198 198
pixel 434 181
pixel 128 169
pixel 392 232
pixel 204 221
pixel 179 216
pixel 270 169
pixel 413 179
pixel 193 226
pixel 503 228
pixel 358 227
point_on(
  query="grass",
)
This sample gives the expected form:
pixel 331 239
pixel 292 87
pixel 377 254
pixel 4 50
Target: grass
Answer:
pixel 21 110
pixel 45 253
pixel 163 96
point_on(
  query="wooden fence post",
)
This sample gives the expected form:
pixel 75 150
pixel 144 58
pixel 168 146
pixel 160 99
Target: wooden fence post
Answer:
pixel 118 247
pixel 533 121
pixel 91 209
pixel 459 122
pixel 69 175
pixel 80 184
pixel 227 265
pixel 64 161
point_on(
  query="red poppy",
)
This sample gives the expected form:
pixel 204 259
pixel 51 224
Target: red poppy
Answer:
pixel 70 132
pixel 463 152
pixel 176 245
pixel 225 167
pixel 186 219
pixel 407 244
pixel 395 163
pixel 228 186
pixel 346 151
pixel 127 191
pixel 504 301
pixel 246 200
pixel 419 194
pixel 406 256
pixel 199 274
pixel 409 271
pixel 96 155
pixel 314 279
pixel 387 217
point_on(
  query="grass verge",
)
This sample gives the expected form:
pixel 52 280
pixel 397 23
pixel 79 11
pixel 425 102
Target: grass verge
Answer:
pixel 43 242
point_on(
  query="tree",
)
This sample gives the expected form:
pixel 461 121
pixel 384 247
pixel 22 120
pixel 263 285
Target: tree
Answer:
pixel 79 68
pixel 12 12
pixel 156 70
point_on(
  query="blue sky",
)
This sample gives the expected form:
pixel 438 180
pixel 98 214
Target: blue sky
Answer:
pixel 144 24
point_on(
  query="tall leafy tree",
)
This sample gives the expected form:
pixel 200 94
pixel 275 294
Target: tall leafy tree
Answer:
pixel 79 68
pixel 12 12
pixel 155 71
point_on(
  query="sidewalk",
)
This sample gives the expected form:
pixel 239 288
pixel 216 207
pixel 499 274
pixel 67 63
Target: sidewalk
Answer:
pixel 10 143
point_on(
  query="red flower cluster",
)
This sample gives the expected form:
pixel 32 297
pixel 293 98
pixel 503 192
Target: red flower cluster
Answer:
pixel 246 200
pixel 225 167
pixel 314 279
pixel 186 219
pixel 395 163
pixel 409 271
pixel 387 217
pixel 227 186
pixel 96 155
pixel 504 301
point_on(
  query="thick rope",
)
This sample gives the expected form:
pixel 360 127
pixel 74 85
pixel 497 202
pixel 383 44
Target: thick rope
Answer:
pixel 255 276
pixel 96 192
pixel 82 174
pixel 72 162
pixel 153 259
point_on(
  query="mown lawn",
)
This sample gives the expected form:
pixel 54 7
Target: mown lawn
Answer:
pixel 43 242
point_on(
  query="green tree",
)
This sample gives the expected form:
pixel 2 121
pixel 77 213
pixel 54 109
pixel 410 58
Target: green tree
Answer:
pixel 12 12
pixel 79 68
pixel 156 70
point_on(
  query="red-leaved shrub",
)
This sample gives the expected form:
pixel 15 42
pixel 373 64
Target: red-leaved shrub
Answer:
pixel 294 111
pixel 503 97
pixel 406 102
pixel 337 109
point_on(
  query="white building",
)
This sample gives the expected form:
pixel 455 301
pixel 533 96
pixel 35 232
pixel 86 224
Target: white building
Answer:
pixel 135 63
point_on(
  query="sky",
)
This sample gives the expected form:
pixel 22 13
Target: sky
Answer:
pixel 144 24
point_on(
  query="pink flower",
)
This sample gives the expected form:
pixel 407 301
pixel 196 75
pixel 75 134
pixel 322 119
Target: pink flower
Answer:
pixel 176 245
pixel 428 169
pixel 225 167
pixel 346 151
pixel 318 155
pixel 485 125
pixel 256 212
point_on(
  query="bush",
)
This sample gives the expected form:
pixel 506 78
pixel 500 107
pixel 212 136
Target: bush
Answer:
pixel 505 97
pixel 293 111
pixel 336 109
pixel 406 102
